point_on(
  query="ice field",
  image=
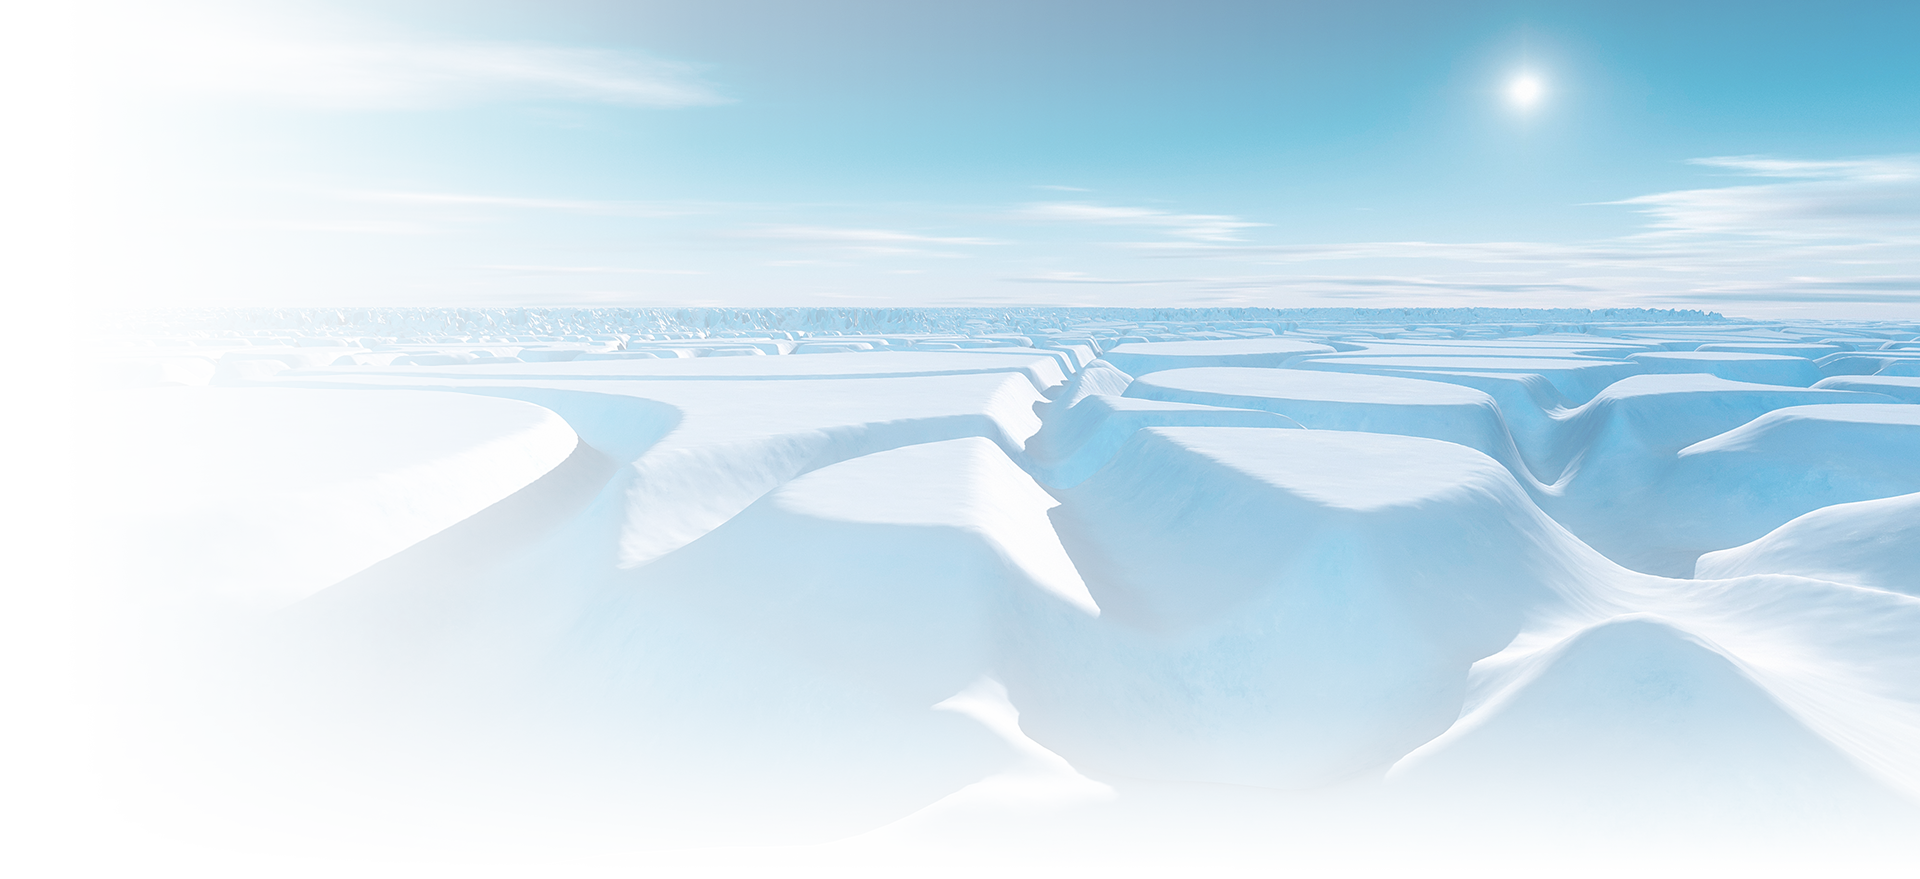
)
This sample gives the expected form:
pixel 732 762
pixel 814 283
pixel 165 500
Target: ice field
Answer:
pixel 1036 593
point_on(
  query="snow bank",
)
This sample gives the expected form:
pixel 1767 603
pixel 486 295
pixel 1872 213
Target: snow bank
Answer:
pixel 1072 444
pixel 1792 461
pixel 1347 402
pixel 1316 592
pixel 1140 358
pixel 1768 369
pixel 1874 543
pixel 151 372
pixel 256 498
pixel 1906 389
pixel 1285 607
pixel 1574 380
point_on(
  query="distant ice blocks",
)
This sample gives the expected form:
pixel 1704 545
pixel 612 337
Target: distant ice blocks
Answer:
pixel 264 496
pixel 1023 583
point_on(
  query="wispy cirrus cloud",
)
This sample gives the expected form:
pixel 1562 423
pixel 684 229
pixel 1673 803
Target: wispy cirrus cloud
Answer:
pixel 854 242
pixel 1882 289
pixel 1492 252
pixel 1350 285
pixel 1871 168
pixel 267 225
pixel 429 198
pixel 587 270
pixel 328 56
pixel 1798 231
pixel 412 212
pixel 1329 285
pixel 1084 278
pixel 1872 198
pixel 1197 227
pixel 404 196
pixel 473 200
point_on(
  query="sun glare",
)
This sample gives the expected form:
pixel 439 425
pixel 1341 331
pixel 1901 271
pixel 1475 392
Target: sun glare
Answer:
pixel 1525 91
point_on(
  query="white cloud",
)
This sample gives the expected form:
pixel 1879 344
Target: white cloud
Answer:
pixel 277 225
pixel 587 270
pixel 835 235
pixel 440 198
pixel 1197 227
pixel 310 54
pixel 1881 289
pixel 455 199
pixel 1362 286
pixel 851 242
pixel 1084 278
pixel 1872 198
pixel 1881 167
pixel 1797 231
pixel 1496 252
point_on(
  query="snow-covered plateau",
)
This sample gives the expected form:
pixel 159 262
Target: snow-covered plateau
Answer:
pixel 1024 592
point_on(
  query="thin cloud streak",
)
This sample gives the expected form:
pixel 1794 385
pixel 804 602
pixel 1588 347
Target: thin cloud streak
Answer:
pixel 857 242
pixel 1518 252
pixel 1810 222
pixel 836 235
pixel 338 61
pixel 273 225
pixel 440 198
pixel 1084 278
pixel 1854 198
pixel 1198 227
pixel 1904 288
pixel 1878 168
pixel 455 199
pixel 588 270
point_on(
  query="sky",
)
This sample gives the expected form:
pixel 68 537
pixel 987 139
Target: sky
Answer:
pixel 1758 159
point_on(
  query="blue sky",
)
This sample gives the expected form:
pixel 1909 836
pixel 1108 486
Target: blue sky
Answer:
pixel 1750 158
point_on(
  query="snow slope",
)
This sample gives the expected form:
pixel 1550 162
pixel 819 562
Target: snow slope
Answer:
pixel 850 592
pixel 259 497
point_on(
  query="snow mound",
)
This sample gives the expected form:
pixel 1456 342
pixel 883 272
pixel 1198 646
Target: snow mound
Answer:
pixel 684 590
pixel 1788 462
pixel 1073 444
pixel 1906 389
pixel 1276 612
pixel 1346 402
pixel 1766 369
pixel 153 372
pixel 1873 543
pixel 1635 721
pixel 785 575
pixel 1616 459
pixel 1140 358
pixel 1574 379
pixel 258 497
pixel 183 373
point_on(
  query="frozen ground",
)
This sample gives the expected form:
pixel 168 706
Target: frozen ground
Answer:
pixel 1024 592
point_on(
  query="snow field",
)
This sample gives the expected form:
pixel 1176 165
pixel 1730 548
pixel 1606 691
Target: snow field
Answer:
pixel 1314 594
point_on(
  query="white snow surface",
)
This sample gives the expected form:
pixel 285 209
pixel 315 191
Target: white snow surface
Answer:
pixel 1128 596
pixel 260 498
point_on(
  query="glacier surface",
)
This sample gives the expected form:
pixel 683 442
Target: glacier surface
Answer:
pixel 942 592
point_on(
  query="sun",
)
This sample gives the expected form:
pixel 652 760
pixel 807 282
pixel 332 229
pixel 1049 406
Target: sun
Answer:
pixel 1526 90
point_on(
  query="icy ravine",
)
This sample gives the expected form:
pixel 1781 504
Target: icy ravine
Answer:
pixel 1433 569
